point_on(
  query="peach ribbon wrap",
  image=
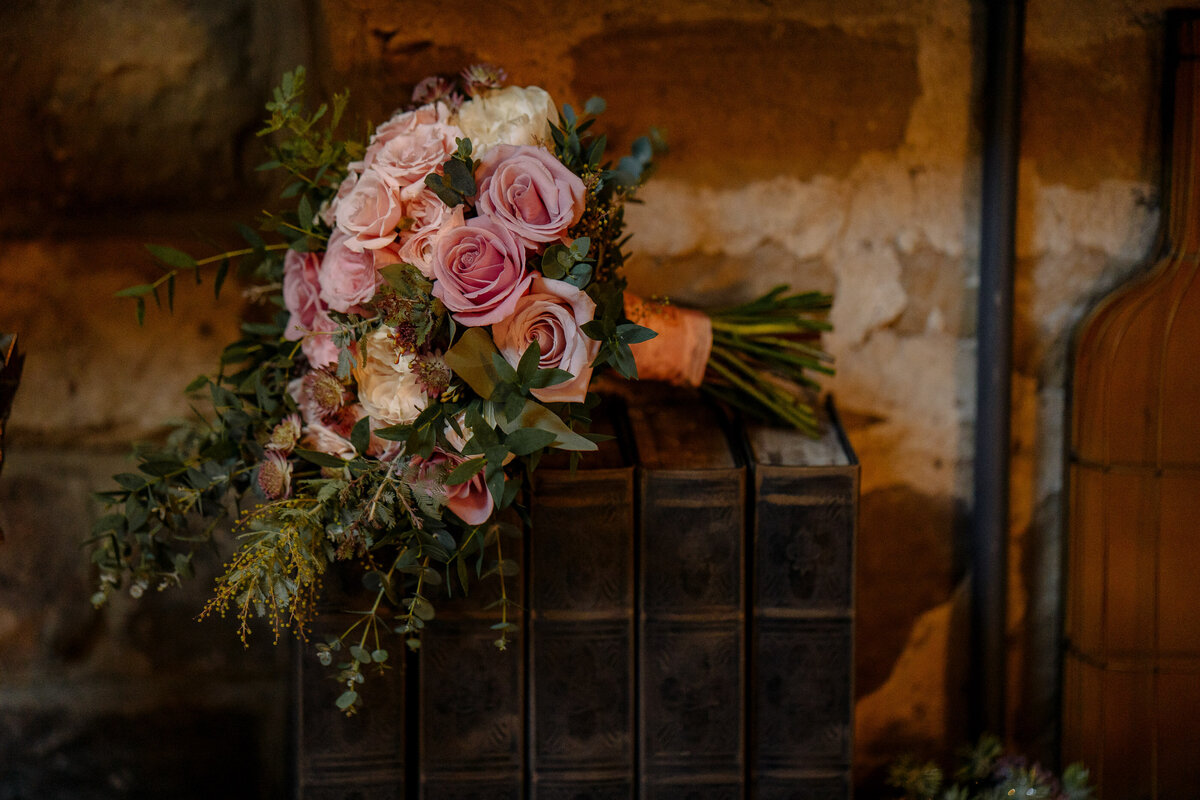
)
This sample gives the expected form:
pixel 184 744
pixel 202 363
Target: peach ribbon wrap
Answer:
pixel 679 354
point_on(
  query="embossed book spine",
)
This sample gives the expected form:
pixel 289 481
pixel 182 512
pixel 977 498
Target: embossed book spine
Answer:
pixel 691 612
pixel 580 629
pixel 471 696
pixel 802 587
pixel 339 758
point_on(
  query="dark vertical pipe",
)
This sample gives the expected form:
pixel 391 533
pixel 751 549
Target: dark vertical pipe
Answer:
pixel 1001 146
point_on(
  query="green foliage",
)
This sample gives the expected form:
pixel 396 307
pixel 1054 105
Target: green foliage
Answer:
pixel 986 773
pixel 297 510
pixel 456 184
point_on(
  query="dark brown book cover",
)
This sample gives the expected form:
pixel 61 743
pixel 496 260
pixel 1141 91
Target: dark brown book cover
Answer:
pixel 804 520
pixel 691 609
pixel 340 757
pixel 471 694
pixel 580 625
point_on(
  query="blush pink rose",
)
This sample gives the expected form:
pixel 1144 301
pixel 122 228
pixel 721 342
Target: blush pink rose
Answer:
pixel 309 321
pixel 318 344
pixel 552 314
pixel 301 292
pixel 328 211
pixel 426 214
pixel 470 501
pixel 370 213
pixel 412 145
pixel 529 192
pixel 478 269
pixel 417 249
pixel 348 278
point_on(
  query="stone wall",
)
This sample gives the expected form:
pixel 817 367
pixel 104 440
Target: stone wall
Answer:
pixel 830 145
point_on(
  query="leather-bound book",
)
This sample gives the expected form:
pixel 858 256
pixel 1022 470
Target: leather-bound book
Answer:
pixel 580 633
pixel 340 758
pixel 804 522
pixel 472 699
pixel 691 609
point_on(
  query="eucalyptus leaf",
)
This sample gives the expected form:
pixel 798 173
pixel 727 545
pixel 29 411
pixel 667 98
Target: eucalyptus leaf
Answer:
pixel 528 365
pixel 528 440
pixel 171 257
pixel 130 481
pixel 161 468
pixel 631 333
pixel 135 291
pixel 394 433
pixel 549 377
pixel 360 435
pixel 421 608
pixel 461 179
pixel 465 471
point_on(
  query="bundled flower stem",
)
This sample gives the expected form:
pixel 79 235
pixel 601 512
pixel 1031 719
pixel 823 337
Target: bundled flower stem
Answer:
pixel 758 356
pixel 764 353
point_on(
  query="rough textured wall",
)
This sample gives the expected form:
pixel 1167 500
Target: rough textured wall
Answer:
pixel 824 143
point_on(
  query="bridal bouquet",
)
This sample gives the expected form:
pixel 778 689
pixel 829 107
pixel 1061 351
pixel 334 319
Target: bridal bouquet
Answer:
pixel 428 324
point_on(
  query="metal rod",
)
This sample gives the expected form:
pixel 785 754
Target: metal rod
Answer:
pixel 989 535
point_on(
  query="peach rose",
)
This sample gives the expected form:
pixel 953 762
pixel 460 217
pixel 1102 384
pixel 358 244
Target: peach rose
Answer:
pixel 387 387
pixel 370 213
pixel 531 193
pixel 552 314
pixel 426 214
pixel 478 269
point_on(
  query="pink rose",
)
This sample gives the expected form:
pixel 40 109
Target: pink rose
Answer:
pixel 412 145
pixel 417 249
pixel 470 501
pixel 529 192
pixel 328 211
pixel 348 279
pixel 369 213
pixel 426 214
pixel 318 344
pixel 552 314
pixel 309 321
pixel 301 292
pixel 424 210
pixel 478 269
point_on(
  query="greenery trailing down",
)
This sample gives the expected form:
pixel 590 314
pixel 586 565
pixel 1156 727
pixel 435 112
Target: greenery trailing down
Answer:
pixel 281 449
pixel 764 352
pixel 986 772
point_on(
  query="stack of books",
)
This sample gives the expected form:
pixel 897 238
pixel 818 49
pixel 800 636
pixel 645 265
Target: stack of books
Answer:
pixel 687 633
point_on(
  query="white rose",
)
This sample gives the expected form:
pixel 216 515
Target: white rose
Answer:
pixel 511 115
pixel 387 387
